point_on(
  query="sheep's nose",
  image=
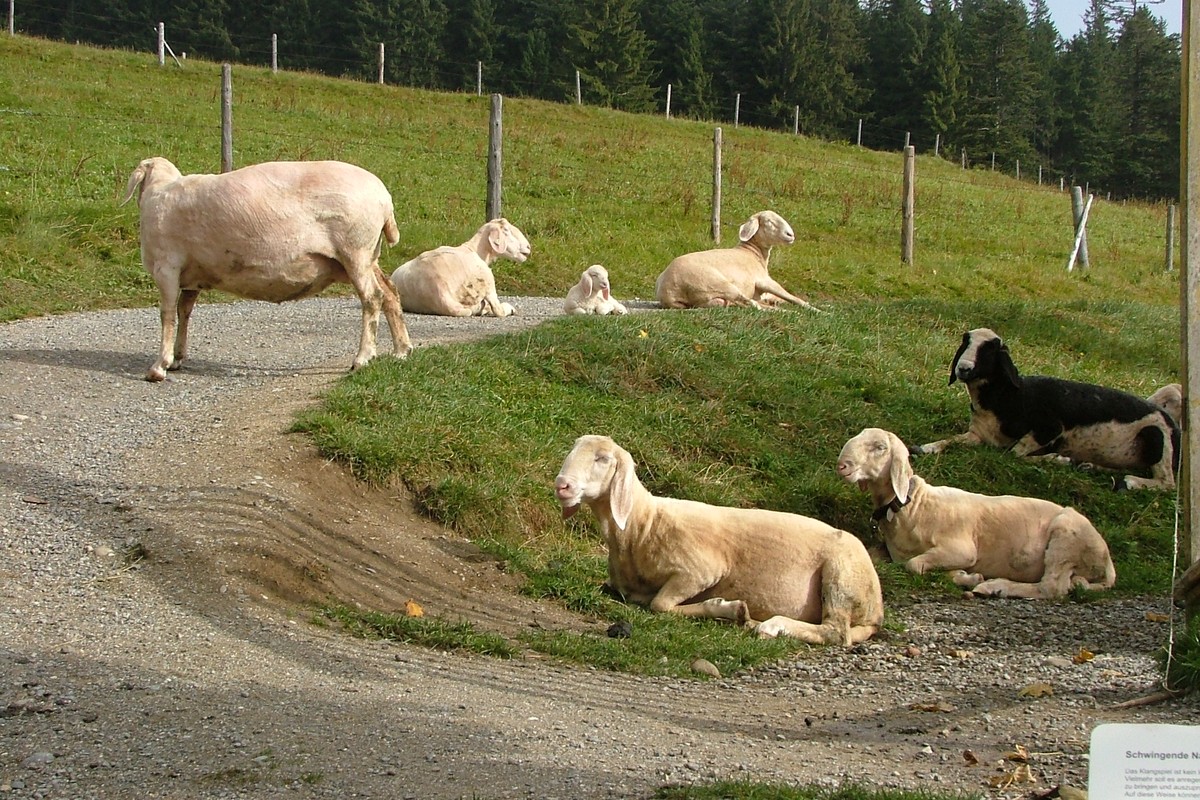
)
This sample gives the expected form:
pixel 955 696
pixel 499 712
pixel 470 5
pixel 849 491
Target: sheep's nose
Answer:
pixel 845 466
pixel 562 485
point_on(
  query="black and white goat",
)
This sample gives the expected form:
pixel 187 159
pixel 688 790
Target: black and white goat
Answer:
pixel 1035 415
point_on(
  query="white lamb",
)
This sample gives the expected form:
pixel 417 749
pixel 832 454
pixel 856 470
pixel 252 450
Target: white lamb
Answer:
pixel 457 281
pixel 276 231
pixel 730 276
pixel 593 295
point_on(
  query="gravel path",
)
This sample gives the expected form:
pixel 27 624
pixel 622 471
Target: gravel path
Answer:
pixel 190 675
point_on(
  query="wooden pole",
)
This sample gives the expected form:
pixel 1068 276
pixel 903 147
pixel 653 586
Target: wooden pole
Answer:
pixel 907 139
pixel 162 44
pixel 1080 236
pixel 495 161
pixel 578 90
pixel 937 144
pixel 860 131
pixel 11 16
pixel 906 230
pixel 1170 237
pixel 796 123
pixel 1189 306
pixel 1077 215
pixel 274 52
pixel 1018 169
pixel 737 109
pixel 381 63
pixel 226 118
pixel 668 101
pixel 716 200
pixel 479 79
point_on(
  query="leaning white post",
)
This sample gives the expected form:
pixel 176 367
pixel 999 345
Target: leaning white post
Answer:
pixel 162 44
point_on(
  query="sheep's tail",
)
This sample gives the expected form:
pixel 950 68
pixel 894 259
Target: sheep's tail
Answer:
pixel 391 232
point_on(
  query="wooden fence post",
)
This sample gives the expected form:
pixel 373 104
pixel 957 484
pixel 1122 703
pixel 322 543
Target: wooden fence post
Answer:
pixel 226 118
pixel 274 52
pixel 1170 237
pixel 479 79
pixel 796 123
pixel 668 101
pixel 860 131
pixel 716 196
pixel 907 139
pixel 578 90
pixel 162 44
pixel 381 63
pixel 906 230
pixel 1080 235
pixel 495 160
pixel 937 145
pixel 1018 169
pixel 11 16
pixel 1077 216
pixel 737 109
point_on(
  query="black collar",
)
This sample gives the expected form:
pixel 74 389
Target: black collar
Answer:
pixel 880 513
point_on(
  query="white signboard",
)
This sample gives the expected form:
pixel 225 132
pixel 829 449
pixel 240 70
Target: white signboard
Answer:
pixel 1144 762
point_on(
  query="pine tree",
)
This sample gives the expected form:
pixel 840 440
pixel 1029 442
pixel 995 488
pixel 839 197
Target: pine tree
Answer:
pixel 837 96
pixel 785 55
pixel 1044 44
pixel 470 35
pixel 897 37
pixel 676 29
pixel 612 54
pixel 943 96
pixel 1090 123
pixel 1147 81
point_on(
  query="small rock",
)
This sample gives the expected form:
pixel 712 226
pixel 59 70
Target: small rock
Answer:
pixel 38 760
pixel 705 667
pixel 620 630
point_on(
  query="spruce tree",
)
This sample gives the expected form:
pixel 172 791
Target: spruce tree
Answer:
pixel 612 54
pixel 943 96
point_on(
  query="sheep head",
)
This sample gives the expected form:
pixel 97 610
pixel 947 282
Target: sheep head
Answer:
pixel 600 473
pixel 506 240
pixel 595 279
pixel 982 355
pixel 768 229
pixel 877 462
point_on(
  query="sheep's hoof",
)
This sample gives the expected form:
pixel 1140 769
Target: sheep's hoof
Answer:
pixel 1119 485
pixel 156 374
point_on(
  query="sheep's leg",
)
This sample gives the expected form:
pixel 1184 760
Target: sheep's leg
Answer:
pixel 680 587
pixel 959 556
pixel 187 302
pixel 831 631
pixel 401 344
pixel 770 286
pixel 168 314
pixel 370 294
pixel 968 438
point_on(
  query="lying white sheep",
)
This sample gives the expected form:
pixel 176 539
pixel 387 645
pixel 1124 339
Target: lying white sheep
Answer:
pixel 803 577
pixel 457 281
pixel 276 231
pixel 996 545
pixel 1034 415
pixel 730 276
pixel 592 295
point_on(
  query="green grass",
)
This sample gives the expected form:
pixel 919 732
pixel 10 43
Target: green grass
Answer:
pixel 731 407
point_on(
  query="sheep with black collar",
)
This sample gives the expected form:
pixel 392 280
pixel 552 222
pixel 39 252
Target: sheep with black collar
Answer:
pixel 1034 415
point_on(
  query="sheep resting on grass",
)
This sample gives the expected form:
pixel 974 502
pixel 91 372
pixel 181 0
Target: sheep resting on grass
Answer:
pixel 1004 546
pixel 1034 415
pixel 592 295
pixel 730 276
pixel 802 577
pixel 276 231
pixel 457 281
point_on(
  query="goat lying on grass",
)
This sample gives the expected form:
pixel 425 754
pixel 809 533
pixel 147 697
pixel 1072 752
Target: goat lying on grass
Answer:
pixel 457 281
pixel 277 231
pixel 1004 546
pixel 730 276
pixel 803 577
pixel 1035 416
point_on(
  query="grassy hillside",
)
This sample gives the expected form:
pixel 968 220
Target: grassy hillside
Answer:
pixel 739 408
pixel 586 185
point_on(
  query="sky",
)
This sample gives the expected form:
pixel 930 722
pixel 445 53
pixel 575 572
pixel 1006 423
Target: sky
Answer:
pixel 1068 15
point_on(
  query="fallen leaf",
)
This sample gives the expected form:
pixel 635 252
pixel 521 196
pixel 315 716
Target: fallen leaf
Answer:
pixel 1153 616
pixel 1036 690
pixel 962 655
pixel 1021 774
pixel 413 609
pixel 699 348
pixel 1083 656
pixel 642 334
pixel 1018 753
pixel 940 706
pixel 970 757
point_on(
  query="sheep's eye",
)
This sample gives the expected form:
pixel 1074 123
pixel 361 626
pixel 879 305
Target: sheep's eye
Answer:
pixel 880 447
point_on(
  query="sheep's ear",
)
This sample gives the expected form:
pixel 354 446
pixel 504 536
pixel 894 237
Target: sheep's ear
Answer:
pixel 496 238
pixel 620 491
pixel 901 469
pixel 1007 368
pixel 135 183
pixel 585 282
pixel 748 229
pixel 962 348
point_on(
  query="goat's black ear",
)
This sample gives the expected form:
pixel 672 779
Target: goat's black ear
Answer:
pixel 1007 368
pixel 966 340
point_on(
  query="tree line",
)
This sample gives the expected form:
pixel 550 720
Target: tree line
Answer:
pixel 991 79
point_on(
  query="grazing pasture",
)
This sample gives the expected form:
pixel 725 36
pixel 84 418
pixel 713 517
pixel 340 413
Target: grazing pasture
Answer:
pixel 728 406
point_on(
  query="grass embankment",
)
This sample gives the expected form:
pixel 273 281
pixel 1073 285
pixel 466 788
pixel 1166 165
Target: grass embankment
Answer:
pixel 735 407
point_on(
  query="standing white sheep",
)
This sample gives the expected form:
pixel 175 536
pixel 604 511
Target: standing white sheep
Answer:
pixel 730 276
pixel 593 295
pixel 276 231
pixel 457 281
